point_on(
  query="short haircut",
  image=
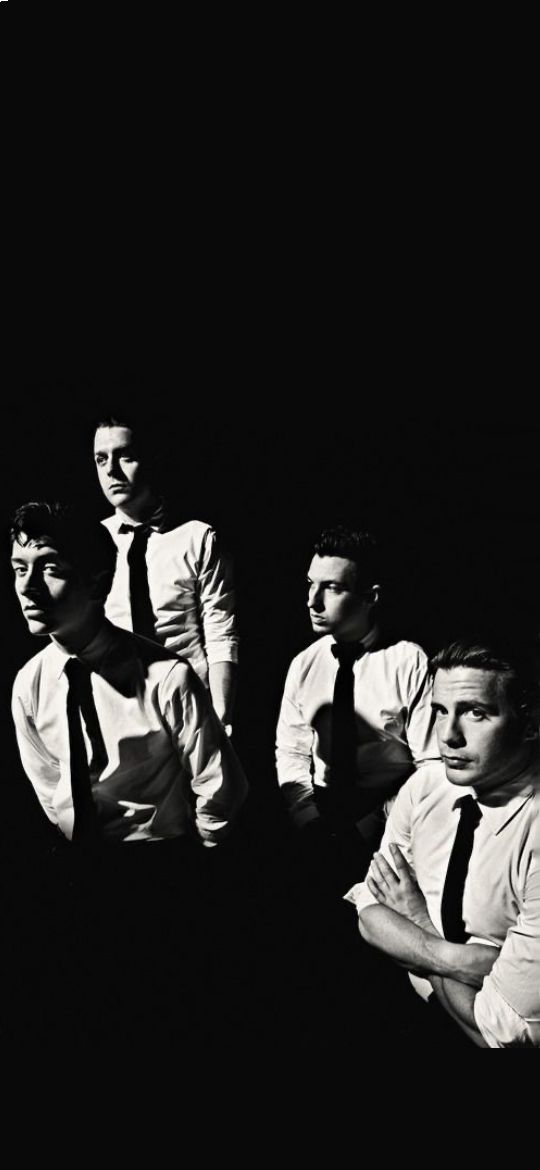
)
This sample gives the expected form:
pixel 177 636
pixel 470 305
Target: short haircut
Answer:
pixel 516 660
pixel 151 438
pixel 356 545
pixel 79 537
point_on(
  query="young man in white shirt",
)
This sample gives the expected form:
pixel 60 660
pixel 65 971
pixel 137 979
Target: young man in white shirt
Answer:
pixel 454 893
pixel 121 744
pixel 355 718
pixel 177 585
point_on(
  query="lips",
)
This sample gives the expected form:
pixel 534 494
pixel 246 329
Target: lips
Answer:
pixel 33 612
pixel 456 761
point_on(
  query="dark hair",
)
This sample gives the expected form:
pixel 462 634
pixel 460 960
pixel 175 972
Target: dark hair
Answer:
pixel 354 545
pixel 81 538
pixel 517 661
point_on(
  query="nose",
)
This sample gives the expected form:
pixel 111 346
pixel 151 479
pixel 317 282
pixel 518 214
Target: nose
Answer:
pixel 28 585
pixel 315 600
pixel 451 733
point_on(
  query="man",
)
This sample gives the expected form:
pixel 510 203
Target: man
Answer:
pixel 355 719
pixel 122 747
pixel 454 893
pixel 171 581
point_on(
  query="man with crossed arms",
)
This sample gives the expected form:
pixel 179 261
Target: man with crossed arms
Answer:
pixel 454 893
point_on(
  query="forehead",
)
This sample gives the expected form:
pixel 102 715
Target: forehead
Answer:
pixel 28 548
pixel 338 570
pixel 464 684
pixel 112 438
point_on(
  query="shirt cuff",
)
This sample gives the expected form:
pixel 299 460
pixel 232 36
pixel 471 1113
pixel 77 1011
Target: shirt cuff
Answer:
pixel 221 652
pixel 360 897
pixel 500 1025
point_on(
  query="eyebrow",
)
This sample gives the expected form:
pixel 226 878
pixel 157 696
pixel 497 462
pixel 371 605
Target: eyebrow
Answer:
pixel 46 556
pixel 329 581
pixel 113 450
pixel 466 704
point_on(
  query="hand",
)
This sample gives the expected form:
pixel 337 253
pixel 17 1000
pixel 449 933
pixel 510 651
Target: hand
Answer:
pixel 398 889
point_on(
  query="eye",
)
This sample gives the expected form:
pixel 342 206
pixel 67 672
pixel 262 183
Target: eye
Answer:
pixel 19 570
pixel 477 714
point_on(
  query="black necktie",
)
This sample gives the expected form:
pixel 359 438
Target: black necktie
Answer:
pixel 344 737
pixel 79 700
pixel 142 615
pixel 454 885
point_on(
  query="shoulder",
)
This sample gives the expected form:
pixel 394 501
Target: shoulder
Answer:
pixel 311 658
pixel 28 678
pixel 427 786
pixel 111 524
pixel 405 655
pixel 158 662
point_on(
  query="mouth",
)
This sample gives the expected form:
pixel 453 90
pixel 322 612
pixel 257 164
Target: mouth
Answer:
pixel 118 487
pixel 456 761
pixel 32 612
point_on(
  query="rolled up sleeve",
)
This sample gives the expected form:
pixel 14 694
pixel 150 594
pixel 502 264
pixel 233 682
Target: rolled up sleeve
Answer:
pixel 507 1009
pixel 217 601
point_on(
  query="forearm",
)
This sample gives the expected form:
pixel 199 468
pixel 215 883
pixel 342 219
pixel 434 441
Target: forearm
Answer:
pixel 419 949
pixel 222 677
pixel 458 1000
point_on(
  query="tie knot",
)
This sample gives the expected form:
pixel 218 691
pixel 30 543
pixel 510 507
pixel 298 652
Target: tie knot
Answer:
pixel 469 809
pixel 139 530
pixel 347 653
pixel 78 676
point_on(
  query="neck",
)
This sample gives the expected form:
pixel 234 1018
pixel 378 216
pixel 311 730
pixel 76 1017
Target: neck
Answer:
pixel 357 635
pixel 139 510
pixel 75 641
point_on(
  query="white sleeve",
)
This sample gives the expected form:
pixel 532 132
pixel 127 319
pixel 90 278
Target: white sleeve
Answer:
pixel 507 1009
pixel 216 601
pixel 215 773
pixel 294 746
pixel 42 769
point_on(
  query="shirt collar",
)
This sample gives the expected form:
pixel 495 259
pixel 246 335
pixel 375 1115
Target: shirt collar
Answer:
pixel 369 641
pixel 500 805
pixel 92 655
pixel 156 521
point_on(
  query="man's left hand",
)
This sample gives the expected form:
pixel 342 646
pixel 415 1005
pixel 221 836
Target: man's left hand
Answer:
pixel 398 889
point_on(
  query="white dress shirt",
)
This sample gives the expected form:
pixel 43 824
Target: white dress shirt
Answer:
pixel 169 761
pixel 190 586
pixel 501 901
pixel 394 722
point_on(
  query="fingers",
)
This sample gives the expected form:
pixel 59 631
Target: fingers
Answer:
pixel 402 867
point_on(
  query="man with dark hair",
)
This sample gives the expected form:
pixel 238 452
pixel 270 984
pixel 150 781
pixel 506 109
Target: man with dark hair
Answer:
pixel 122 746
pixel 172 581
pixel 355 719
pixel 454 893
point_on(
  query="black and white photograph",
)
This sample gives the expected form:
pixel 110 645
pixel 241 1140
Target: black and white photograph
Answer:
pixel 271 678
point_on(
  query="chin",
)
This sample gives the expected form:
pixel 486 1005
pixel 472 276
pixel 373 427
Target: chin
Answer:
pixel 39 629
pixel 462 779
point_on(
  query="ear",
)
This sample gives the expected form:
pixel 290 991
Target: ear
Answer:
pixel 532 730
pixel 372 595
pixel 100 586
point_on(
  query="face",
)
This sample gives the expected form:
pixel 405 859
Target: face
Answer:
pixel 53 599
pixel 334 606
pixel 481 741
pixel 119 469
